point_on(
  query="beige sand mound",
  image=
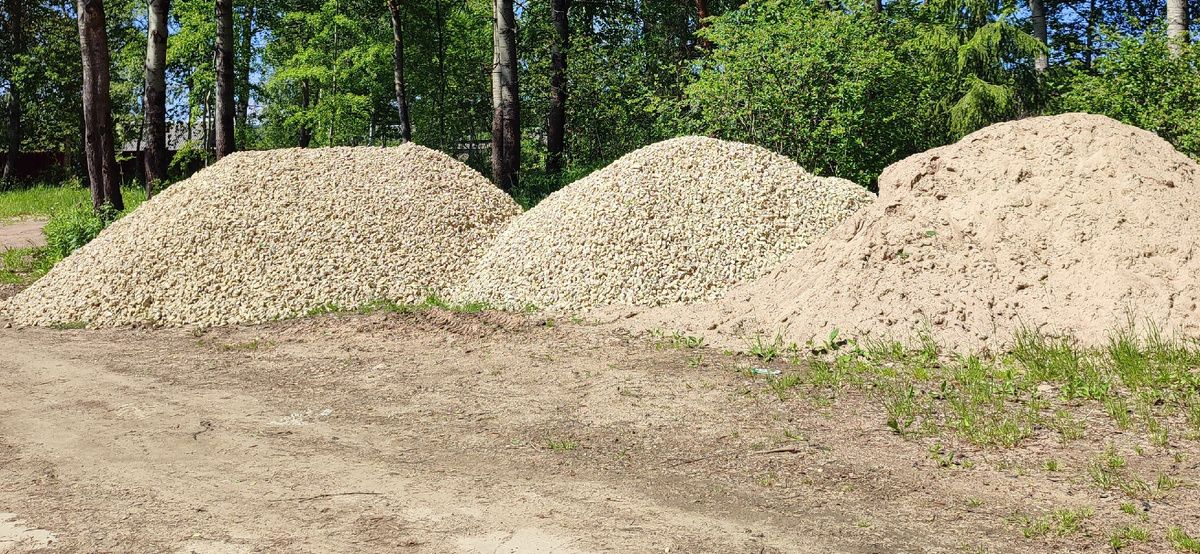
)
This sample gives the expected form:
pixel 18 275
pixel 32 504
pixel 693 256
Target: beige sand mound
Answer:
pixel 1067 223
pixel 272 234
pixel 677 221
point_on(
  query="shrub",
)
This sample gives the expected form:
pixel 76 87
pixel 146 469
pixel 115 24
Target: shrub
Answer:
pixel 69 229
pixel 785 76
pixel 1139 82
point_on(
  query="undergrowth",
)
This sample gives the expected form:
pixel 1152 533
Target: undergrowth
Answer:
pixel 71 225
pixel 1142 379
pixel 24 265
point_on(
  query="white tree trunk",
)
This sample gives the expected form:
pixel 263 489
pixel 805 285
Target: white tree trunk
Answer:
pixel 1178 21
pixel 1038 8
pixel 506 122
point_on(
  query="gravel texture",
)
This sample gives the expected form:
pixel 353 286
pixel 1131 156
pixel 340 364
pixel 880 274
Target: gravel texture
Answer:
pixel 1070 224
pixel 274 234
pixel 675 222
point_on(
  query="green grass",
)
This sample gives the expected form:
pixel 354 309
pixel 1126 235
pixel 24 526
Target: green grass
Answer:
pixel 1182 541
pixel 1124 535
pixel 1141 379
pixel 564 444
pixel 43 200
pixel 1107 472
pixel 1061 522
pixel 676 341
pixel 26 265
pixel 764 349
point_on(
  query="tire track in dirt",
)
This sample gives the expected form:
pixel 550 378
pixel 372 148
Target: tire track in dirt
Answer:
pixel 124 466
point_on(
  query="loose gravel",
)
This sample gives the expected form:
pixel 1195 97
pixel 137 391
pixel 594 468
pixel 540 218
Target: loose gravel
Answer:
pixel 675 222
pixel 275 234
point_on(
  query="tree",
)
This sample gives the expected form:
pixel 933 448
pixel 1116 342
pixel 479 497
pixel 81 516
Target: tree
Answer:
pixel 1137 80
pixel 156 155
pixel 1037 8
pixel 1178 22
pixel 557 120
pixel 702 14
pixel 17 46
pixel 398 64
pixel 506 100
pixel 781 76
pixel 985 52
pixel 225 79
pixel 244 60
pixel 305 137
pixel 97 107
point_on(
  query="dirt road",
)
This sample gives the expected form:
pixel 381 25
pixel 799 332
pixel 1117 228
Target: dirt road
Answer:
pixel 22 234
pixel 443 432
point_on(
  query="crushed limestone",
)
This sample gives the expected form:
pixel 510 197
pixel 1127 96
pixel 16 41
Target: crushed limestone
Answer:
pixel 675 222
pixel 274 234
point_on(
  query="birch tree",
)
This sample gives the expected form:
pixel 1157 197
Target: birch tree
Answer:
pixel 156 155
pixel 506 101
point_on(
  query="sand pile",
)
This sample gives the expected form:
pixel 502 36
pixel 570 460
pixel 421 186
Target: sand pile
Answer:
pixel 677 221
pixel 1067 223
pixel 272 234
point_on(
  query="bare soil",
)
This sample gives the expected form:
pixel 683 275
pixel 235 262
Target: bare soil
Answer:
pixel 22 234
pixel 491 432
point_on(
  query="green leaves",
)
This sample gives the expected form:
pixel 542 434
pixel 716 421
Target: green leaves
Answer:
pixel 1138 81
pixel 984 103
pixel 827 88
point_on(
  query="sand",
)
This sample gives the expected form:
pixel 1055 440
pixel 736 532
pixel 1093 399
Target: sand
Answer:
pixel 1074 225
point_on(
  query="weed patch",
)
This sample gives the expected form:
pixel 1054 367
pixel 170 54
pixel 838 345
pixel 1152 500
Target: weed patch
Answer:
pixel 24 266
pixel 1141 380
pixel 1180 540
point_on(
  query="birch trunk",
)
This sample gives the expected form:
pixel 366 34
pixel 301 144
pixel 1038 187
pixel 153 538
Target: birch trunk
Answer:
pixel 506 117
pixel 156 156
pixel 1178 21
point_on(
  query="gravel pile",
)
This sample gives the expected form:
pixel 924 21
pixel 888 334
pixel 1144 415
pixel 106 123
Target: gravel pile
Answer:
pixel 274 234
pixel 1069 224
pixel 678 221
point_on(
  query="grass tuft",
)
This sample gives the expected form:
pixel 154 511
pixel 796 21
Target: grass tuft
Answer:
pixel 1182 541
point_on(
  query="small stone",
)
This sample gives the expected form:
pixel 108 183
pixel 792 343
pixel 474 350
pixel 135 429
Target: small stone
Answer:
pixel 265 235
pixel 680 221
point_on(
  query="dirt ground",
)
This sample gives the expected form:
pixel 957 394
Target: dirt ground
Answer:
pixel 492 432
pixel 22 234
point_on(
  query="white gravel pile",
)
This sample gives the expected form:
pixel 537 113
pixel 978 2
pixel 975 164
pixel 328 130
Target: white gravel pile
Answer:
pixel 274 234
pixel 675 222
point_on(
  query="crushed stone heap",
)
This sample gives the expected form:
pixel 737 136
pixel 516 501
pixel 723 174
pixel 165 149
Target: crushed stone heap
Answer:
pixel 274 234
pixel 678 221
pixel 1070 224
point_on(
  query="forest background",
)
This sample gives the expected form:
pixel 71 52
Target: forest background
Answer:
pixel 844 88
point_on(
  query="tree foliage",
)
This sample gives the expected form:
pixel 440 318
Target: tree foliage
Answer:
pixel 842 89
pixel 1138 82
pixel 783 76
